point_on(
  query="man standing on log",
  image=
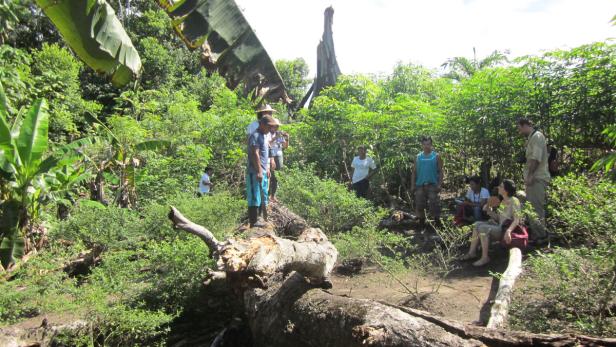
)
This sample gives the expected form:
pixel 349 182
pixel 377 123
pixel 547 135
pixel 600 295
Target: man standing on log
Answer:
pixel 258 170
pixel 536 175
pixel 427 181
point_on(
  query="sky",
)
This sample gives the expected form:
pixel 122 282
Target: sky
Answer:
pixel 371 36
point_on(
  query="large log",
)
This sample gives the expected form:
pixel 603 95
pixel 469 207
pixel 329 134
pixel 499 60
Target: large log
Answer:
pixel 500 308
pixel 289 310
pixel 292 313
pixel 254 260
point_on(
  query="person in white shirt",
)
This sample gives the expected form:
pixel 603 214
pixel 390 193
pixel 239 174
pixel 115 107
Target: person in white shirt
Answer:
pixel 362 164
pixel 205 184
pixel 471 209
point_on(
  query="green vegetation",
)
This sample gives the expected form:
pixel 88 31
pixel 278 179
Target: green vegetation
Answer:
pixel 97 168
pixel 572 289
pixel 149 273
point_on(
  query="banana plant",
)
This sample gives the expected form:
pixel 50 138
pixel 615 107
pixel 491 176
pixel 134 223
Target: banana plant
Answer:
pixel 121 158
pixel 22 148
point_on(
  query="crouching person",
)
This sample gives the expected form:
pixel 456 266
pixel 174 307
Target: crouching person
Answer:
pixel 471 209
pixel 501 225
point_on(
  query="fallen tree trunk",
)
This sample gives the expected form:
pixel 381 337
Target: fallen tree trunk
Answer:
pixel 500 308
pixel 293 312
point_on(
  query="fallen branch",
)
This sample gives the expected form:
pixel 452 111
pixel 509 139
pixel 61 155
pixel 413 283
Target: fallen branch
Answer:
pixel 500 308
pixel 181 222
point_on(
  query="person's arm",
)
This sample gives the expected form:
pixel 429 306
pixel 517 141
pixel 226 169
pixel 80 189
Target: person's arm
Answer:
pixel 468 201
pixel 482 202
pixel 440 172
pixel 534 158
pixel 413 176
pixel 532 167
pixel 491 213
pixel 372 172
pixel 514 223
pixel 255 160
pixel 285 144
pixel 272 164
pixel 372 169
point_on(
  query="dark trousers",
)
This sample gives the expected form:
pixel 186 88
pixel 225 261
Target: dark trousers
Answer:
pixel 273 184
pixel 427 196
pixel 361 188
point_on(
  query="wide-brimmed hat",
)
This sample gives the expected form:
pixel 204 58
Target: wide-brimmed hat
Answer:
pixel 268 120
pixel 266 108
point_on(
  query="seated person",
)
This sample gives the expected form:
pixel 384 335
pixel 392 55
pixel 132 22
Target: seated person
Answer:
pixel 493 230
pixel 471 209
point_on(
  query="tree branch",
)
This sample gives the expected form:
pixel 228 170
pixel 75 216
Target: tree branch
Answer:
pixel 181 222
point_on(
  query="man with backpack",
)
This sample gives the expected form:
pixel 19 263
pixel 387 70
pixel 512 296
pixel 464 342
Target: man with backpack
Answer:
pixel 536 175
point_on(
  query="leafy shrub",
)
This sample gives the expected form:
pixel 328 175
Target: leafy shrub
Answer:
pixel 375 246
pixel 111 227
pixel 324 202
pixel 219 212
pixel 582 211
pixel 571 290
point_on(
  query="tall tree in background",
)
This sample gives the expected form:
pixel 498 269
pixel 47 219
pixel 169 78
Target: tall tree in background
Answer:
pixel 460 68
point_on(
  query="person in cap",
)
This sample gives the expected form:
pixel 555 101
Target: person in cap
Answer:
pixel 279 142
pixel 258 171
pixel 536 175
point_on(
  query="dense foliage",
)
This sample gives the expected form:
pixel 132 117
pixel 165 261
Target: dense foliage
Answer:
pixel 573 289
pixel 144 147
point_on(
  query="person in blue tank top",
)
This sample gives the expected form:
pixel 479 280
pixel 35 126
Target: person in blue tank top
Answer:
pixel 427 181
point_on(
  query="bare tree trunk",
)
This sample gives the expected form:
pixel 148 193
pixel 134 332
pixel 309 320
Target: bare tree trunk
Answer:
pixel 327 65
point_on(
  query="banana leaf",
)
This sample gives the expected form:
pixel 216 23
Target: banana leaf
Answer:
pixel 11 242
pixel 219 27
pixel 7 147
pixel 32 139
pixel 92 30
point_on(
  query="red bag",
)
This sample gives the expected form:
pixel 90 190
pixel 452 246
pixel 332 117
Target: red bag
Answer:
pixel 519 235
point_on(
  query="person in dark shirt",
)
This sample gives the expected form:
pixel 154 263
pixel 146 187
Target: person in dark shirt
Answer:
pixel 258 171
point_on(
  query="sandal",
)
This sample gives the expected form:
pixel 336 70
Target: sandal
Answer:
pixel 481 262
pixel 468 257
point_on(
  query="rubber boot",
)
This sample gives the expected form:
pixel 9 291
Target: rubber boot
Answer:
pixel 264 212
pixel 253 214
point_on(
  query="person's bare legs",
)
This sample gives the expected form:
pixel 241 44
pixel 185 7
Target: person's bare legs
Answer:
pixel 472 250
pixel 485 244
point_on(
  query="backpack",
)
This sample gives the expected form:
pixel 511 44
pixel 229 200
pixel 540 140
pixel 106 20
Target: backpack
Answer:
pixel 519 235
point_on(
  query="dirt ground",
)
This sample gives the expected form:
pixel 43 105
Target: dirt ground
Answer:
pixel 466 295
